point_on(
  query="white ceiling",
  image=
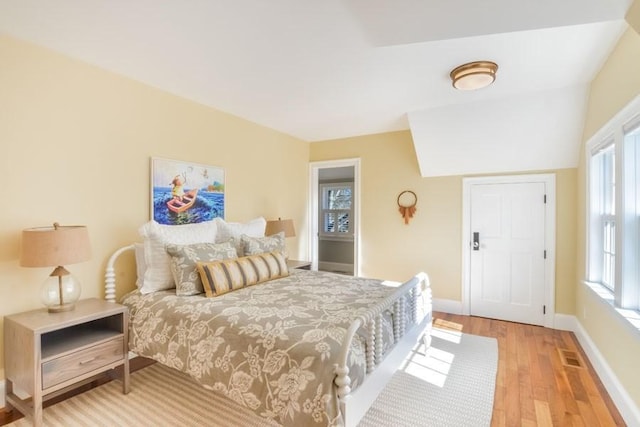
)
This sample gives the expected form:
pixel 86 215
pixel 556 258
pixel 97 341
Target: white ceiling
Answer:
pixel 330 69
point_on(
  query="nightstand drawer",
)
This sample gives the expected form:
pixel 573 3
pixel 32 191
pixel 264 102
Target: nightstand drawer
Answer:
pixel 73 365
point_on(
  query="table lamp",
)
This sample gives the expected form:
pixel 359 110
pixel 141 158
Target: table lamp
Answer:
pixel 277 225
pixel 54 247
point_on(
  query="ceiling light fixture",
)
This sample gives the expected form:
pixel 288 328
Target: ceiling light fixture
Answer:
pixel 474 75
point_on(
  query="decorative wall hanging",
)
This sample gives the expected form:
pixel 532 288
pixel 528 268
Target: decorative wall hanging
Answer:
pixel 407 201
pixel 185 193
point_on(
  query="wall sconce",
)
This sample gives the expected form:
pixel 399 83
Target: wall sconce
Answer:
pixel 54 247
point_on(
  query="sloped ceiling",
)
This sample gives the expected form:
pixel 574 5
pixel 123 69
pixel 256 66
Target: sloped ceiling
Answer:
pixel 524 132
pixel 340 68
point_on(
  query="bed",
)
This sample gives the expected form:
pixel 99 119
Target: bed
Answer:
pixel 310 348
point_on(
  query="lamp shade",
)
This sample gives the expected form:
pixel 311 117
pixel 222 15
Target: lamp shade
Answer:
pixel 276 226
pixel 54 246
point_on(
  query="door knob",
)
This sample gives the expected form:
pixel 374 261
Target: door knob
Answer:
pixel 476 241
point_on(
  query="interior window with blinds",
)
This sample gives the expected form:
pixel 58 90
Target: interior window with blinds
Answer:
pixel 336 216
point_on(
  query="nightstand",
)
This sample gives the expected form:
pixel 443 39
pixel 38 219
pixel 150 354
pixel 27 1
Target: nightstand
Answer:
pixel 300 265
pixel 46 354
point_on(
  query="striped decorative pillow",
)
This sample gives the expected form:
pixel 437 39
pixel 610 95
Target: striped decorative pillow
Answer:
pixel 220 277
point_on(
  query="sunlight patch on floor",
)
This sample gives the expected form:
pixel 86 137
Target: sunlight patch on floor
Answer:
pixel 447 324
pixel 447 335
pixel 433 367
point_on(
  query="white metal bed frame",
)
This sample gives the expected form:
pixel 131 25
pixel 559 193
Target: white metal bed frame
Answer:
pixel 355 403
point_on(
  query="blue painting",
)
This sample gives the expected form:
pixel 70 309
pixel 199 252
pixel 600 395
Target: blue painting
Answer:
pixel 185 193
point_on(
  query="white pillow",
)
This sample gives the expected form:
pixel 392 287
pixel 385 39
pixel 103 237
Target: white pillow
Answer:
pixel 234 230
pixel 158 274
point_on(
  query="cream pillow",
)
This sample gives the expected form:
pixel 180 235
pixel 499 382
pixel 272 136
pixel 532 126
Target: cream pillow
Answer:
pixel 234 230
pixel 158 274
pixel 185 257
pixel 260 245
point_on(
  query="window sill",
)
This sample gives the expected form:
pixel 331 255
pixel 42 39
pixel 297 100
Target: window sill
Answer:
pixel 631 318
pixel 336 238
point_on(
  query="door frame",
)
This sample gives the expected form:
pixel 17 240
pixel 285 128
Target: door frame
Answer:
pixel 314 205
pixel 550 236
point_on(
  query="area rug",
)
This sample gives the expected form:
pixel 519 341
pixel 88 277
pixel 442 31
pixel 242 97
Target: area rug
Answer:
pixel 453 385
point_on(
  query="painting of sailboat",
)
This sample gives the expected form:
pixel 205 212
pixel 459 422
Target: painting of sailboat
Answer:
pixel 185 192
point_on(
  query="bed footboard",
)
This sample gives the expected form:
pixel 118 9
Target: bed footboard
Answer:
pixel 354 404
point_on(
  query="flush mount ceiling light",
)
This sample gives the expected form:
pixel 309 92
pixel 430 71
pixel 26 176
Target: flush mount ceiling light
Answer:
pixel 474 75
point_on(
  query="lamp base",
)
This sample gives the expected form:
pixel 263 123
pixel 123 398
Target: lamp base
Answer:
pixel 60 291
pixel 60 308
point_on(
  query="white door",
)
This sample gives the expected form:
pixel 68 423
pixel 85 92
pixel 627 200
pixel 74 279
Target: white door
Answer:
pixel 507 254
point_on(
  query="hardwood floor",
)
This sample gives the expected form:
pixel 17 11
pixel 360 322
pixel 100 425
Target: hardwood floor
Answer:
pixel 538 382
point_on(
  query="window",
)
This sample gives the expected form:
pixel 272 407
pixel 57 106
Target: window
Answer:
pixel 336 210
pixel 603 216
pixel 614 208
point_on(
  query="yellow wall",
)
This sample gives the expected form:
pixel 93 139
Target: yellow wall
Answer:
pixel 390 249
pixel 617 83
pixel 432 241
pixel 76 142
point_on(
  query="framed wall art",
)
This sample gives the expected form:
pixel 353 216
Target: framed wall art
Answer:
pixel 185 193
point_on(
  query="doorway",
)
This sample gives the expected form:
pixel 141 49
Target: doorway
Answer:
pixel 509 248
pixel 334 216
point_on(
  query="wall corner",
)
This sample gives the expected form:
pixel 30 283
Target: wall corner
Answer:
pixel 633 16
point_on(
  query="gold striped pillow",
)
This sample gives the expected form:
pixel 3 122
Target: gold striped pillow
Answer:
pixel 220 277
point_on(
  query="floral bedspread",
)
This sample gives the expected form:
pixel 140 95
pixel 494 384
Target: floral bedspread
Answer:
pixel 271 347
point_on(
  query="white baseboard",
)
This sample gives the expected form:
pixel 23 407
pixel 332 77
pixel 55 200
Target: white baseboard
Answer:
pixel 625 404
pixel 447 306
pixel 565 322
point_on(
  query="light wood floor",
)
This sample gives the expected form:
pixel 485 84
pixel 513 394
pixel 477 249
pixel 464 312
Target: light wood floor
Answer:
pixel 538 383
pixel 533 386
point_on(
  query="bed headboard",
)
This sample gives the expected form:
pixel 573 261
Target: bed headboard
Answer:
pixel 110 275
